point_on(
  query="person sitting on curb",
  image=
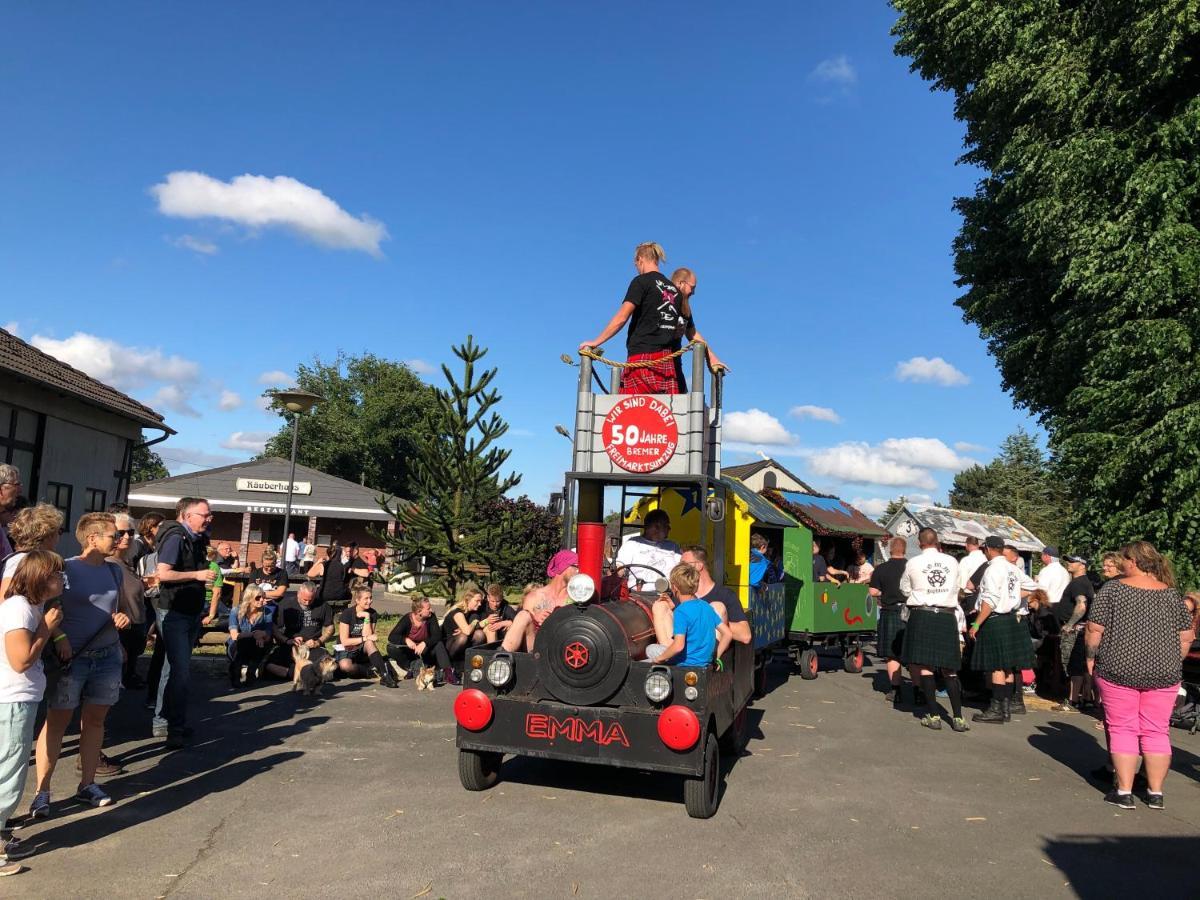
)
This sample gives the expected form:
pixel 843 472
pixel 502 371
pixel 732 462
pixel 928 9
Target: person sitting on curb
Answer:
pixel 250 628
pixel 539 603
pixel 357 651
pixel 497 612
pixel 463 626
pixel 299 622
pixel 416 640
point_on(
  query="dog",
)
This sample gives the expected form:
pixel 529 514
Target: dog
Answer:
pixel 308 676
pixel 425 678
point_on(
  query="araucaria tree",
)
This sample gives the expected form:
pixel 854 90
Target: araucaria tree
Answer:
pixel 456 482
pixel 1079 250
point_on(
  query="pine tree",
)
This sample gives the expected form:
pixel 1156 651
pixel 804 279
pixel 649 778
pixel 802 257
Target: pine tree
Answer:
pixel 456 477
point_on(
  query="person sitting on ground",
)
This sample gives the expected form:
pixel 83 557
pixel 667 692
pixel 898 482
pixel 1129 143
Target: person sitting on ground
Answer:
pixel 250 629
pixel 463 625
pixel 540 602
pixel 860 572
pixel 697 627
pixel 34 528
pixel 214 599
pixel 24 633
pixel 498 613
pixel 416 641
pixel 270 577
pixel 650 555
pixel 357 649
pixel 299 622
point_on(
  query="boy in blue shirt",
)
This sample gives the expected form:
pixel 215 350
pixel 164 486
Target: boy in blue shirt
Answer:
pixel 697 628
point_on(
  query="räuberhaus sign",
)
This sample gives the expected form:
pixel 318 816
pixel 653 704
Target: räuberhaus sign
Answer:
pixel 273 487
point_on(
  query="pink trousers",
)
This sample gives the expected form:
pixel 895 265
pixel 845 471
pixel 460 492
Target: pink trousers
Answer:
pixel 1137 720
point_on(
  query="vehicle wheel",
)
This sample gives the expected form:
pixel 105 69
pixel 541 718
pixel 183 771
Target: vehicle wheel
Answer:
pixel 809 664
pixel 852 662
pixel 700 794
pixel 734 741
pixel 478 770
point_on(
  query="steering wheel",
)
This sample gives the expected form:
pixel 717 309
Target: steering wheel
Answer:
pixel 627 566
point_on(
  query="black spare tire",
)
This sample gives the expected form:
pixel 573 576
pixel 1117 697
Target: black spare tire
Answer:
pixel 582 654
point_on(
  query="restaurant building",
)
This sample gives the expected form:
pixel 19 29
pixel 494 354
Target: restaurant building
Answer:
pixel 248 501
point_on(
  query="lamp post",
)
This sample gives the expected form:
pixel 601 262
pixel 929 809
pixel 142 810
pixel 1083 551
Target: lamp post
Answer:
pixel 297 403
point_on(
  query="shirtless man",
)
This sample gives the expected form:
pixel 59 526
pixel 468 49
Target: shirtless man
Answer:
pixel 539 603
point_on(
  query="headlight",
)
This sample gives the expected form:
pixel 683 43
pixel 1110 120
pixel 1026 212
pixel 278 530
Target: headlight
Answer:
pixel 499 672
pixel 476 675
pixel 658 686
pixel 690 692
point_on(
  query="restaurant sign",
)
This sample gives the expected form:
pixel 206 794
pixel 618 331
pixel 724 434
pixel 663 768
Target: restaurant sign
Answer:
pixel 269 486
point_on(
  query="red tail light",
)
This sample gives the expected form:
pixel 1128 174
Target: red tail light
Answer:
pixel 678 728
pixel 473 710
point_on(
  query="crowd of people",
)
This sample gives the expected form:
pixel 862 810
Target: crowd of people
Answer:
pixel 1120 647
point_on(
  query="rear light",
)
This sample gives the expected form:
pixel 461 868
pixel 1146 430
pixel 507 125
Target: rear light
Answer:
pixel 658 685
pixel 678 727
pixel 473 709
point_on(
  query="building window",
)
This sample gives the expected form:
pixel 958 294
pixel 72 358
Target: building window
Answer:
pixel 20 443
pixel 770 482
pixel 59 496
pixel 96 500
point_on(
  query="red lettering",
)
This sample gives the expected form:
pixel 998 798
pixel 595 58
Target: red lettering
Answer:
pixel 547 728
pixel 535 726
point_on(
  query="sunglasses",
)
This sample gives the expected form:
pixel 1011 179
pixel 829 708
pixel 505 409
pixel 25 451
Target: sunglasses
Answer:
pixel 129 532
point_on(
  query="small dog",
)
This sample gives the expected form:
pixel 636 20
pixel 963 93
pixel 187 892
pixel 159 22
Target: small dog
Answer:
pixel 309 676
pixel 425 678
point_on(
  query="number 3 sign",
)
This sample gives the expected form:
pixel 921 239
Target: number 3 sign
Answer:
pixel 640 434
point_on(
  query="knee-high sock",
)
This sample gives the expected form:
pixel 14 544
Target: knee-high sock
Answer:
pixel 1018 681
pixel 377 663
pixel 954 689
pixel 929 686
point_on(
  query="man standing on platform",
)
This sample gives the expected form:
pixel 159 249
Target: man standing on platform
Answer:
pixel 930 584
pixel 1002 642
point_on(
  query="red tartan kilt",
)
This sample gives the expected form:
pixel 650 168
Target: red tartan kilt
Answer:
pixel 664 377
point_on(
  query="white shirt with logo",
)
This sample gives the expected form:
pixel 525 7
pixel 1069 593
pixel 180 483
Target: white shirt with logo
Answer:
pixel 1002 585
pixel 931 579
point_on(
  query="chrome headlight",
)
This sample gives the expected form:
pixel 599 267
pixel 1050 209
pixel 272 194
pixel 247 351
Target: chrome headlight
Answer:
pixel 476 675
pixel 500 671
pixel 690 693
pixel 658 686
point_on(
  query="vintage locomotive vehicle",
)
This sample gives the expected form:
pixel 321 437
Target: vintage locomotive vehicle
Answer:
pixel 587 692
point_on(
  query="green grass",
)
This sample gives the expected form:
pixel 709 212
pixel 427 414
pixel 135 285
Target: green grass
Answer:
pixel 383 626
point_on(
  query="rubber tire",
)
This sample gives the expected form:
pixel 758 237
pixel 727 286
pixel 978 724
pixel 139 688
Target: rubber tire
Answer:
pixel 853 662
pixel 700 795
pixel 737 736
pixel 810 664
pixel 478 770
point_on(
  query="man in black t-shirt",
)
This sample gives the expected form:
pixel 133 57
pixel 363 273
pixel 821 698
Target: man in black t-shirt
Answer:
pixel 659 315
pixel 1072 613
pixel 885 588
pixel 723 601
pixel 300 622
pixel 270 577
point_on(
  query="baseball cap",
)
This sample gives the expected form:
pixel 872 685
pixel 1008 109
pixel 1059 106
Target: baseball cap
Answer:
pixel 1050 550
pixel 994 543
pixel 1075 559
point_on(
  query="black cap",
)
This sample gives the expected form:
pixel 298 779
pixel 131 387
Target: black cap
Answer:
pixel 1050 550
pixel 1075 559
pixel 994 543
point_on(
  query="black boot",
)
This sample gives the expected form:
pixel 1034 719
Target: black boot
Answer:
pixel 1006 708
pixel 1017 706
pixel 995 713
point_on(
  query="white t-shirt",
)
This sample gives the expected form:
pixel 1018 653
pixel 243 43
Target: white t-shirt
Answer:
pixel 10 566
pixel 291 550
pixel 639 552
pixel 20 687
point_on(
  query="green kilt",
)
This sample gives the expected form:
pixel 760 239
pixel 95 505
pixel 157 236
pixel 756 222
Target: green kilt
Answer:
pixel 889 637
pixel 1003 642
pixel 931 640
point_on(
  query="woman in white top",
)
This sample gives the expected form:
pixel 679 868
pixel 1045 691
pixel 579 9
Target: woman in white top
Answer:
pixel 25 630
pixel 34 528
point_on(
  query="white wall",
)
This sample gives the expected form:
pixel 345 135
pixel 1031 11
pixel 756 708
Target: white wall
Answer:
pixel 783 481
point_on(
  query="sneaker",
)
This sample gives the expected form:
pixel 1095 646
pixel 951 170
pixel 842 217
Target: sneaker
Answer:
pixel 106 768
pixel 12 869
pixel 16 849
pixel 959 724
pixel 93 794
pixel 1123 801
pixel 932 721
pixel 158 731
pixel 941 694
pixel 1154 801
pixel 1029 690
pixel 40 807
pixel 1064 707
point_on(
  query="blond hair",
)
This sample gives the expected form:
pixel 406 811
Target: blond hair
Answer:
pixel 1144 555
pixel 92 523
pixel 249 595
pixel 465 593
pixel 33 525
pixel 685 579
pixel 650 250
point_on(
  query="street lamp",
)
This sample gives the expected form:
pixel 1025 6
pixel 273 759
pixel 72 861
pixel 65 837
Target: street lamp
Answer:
pixel 297 403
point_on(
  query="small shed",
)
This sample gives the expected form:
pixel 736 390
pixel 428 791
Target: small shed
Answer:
pixel 954 526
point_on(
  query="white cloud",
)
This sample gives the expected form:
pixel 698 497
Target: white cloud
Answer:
pixel 191 242
pixel 276 378
pixel 229 400
pixel 256 201
pixel 120 366
pixel 174 398
pixel 933 371
pixel 875 506
pixel 928 452
pixel 860 463
pixel 252 441
pixel 263 403
pixel 836 70
pixel 419 366
pixel 820 413
pixel 968 447
pixel 756 427
pixel 13 328
pixel 189 459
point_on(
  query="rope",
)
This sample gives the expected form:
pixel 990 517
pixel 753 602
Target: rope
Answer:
pixel 639 364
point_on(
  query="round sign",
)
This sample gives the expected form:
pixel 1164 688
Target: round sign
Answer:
pixel 640 434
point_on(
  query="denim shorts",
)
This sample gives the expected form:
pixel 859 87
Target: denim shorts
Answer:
pixel 94 678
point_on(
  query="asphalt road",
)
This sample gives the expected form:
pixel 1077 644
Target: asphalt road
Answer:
pixel 357 794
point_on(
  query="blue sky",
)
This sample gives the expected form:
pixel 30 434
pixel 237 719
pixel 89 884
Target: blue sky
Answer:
pixel 421 171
